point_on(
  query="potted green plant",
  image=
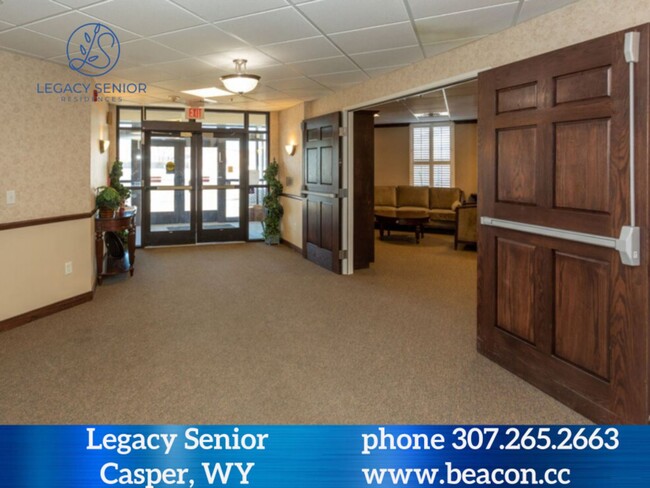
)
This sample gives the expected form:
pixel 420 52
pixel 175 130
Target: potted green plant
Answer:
pixel 115 175
pixel 107 200
pixel 273 210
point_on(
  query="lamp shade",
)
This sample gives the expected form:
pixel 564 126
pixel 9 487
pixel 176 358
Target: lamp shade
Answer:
pixel 240 82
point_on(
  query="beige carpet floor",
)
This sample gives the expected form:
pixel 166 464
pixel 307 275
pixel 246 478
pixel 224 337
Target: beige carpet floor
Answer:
pixel 247 333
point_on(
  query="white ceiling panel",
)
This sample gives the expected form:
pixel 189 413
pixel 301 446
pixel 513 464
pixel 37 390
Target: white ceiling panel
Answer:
pixel 440 47
pixel 267 28
pixel 146 17
pixel 22 11
pixel 197 41
pixel 228 9
pixel 277 72
pixel 256 59
pixel 301 49
pixel 266 94
pixel 324 66
pixel 62 26
pixel 79 3
pixel 301 83
pixel 533 8
pixel 340 80
pixel 187 68
pixel 344 15
pixel 389 57
pixel 5 25
pixel 376 38
pixel 31 43
pixel 144 74
pixel 467 24
pixel 429 8
pixel 143 52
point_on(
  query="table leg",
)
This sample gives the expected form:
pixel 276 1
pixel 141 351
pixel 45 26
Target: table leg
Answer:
pixel 381 231
pixel 131 242
pixel 99 255
pixel 417 234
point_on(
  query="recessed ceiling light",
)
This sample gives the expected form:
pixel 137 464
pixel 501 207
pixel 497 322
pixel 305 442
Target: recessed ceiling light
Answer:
pixel 208 92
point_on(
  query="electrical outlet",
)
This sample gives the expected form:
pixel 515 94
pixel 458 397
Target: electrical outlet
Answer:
pixel 11 197
pixel 68 267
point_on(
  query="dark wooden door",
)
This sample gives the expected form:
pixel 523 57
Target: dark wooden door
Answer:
pixel 364 188
pixel 321 232
pixel 554 151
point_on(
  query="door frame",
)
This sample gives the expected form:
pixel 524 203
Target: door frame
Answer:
pixel 347 141
pixel 196 129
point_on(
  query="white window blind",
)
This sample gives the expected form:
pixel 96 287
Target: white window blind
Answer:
pixel 432 155
pixel 421 144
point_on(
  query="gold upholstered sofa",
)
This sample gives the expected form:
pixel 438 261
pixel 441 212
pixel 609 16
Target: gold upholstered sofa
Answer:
pixel 440 203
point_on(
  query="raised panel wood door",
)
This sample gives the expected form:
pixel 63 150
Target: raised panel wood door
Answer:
pixel 321 186
pixel 554 151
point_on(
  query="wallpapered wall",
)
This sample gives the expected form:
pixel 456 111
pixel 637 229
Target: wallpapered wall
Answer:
pixel 50 157
pixel 45 143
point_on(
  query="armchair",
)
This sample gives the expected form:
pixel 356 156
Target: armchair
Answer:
pixel 466 225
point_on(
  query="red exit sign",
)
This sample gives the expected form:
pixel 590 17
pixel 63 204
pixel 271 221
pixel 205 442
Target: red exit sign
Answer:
pixel 194 113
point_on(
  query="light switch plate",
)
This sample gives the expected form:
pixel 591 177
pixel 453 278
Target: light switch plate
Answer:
pixel 11 197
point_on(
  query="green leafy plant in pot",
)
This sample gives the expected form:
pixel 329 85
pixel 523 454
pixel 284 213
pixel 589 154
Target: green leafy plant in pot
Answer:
pixel 273 210
pixel 115 175
pixel 107 200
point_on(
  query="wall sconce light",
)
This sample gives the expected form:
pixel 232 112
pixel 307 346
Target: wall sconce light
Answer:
pixel 103 145
pixel 291 149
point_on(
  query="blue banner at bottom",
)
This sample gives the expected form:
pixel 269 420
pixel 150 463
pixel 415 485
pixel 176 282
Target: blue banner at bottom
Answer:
pixel 323 456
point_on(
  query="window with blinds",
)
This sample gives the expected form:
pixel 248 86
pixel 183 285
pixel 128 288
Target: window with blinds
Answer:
pixel 432 155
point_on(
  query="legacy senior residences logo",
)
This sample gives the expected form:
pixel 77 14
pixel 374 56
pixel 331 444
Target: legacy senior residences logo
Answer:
pixel 98 49
pixel 92 50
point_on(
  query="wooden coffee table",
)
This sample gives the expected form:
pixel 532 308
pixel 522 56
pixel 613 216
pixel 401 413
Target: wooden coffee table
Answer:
pixel 402 218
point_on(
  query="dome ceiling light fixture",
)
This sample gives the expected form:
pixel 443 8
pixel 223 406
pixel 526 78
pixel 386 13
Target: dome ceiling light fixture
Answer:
pixel 240 82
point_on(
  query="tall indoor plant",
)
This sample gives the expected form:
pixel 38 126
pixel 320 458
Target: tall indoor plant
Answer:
pixel 272 208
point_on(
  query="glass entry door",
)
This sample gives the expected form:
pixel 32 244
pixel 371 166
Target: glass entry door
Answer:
pixel 193 188
pixel 221 202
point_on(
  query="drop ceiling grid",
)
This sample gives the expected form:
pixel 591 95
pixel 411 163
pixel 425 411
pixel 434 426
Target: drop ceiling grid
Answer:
pixel 329 44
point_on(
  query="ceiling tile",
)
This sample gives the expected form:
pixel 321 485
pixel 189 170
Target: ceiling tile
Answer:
pixel 533 8
pixel 389 57
pixel 5 25
pixel 146 17
pixel 343 15
pixel 440 47
pixel 266 93
pixel 376 38
pixel 275 26
pixel 277 72
pixel 188 68
pixel 301 49
pixel 31 43
pixel 336 81
pixel 196 41
pixel 144 74
pixel 467 24
pixel 62 26
pixel 228 9
pixel 427 8
pixel 79 3
pixel 15 11
pixel 143 51
pixel 324 66
pixel 299 83
pixel 224 60
pixel 186 84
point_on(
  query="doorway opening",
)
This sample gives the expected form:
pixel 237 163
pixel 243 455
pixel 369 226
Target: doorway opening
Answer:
pixel 194 182
pixel 424 160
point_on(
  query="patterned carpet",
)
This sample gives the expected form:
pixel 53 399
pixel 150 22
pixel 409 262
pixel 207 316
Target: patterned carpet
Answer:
pixel 247 333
